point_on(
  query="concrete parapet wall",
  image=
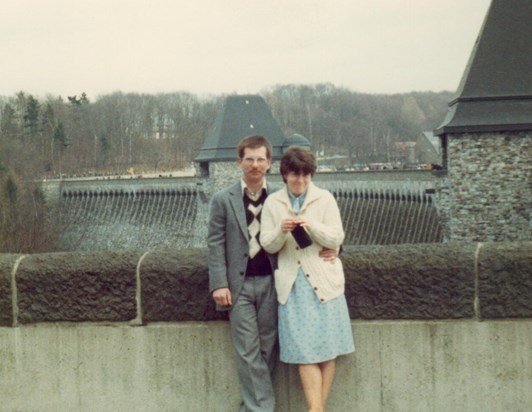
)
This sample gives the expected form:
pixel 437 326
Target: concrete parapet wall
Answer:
pixel 438 327
pixel 422 281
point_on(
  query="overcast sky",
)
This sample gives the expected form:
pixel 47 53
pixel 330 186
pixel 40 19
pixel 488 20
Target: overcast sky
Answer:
pixel 65 47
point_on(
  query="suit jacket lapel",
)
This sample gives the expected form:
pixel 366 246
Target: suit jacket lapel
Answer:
pixel 235 198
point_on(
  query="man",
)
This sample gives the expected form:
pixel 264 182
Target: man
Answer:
pixel 240 273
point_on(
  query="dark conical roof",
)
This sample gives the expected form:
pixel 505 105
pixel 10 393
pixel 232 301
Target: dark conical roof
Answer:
pixel 495 93
pixel 240 116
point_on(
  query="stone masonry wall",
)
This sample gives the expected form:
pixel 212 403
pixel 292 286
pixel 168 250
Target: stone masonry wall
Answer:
pixel 224 174
pixel 421 282
pixel 489 187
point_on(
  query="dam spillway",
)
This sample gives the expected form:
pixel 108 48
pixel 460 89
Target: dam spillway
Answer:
pixel 172 213
pixel 123 220
pixel 128 214
pixel 387 216
pixel 392 207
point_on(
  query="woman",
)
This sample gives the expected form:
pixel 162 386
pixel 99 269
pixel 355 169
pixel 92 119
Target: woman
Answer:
pixel 314 325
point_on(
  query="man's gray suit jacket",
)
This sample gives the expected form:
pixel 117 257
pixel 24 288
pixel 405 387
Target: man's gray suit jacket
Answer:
pixel 228 241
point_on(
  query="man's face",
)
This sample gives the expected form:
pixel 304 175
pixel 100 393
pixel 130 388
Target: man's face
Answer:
pixel 254 164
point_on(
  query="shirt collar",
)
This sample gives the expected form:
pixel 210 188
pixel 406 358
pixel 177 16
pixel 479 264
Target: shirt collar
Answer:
pixel 244 186
pixel 296 201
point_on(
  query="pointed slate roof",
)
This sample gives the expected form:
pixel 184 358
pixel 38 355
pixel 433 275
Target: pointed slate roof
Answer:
pixel 495 93
pixel 240 116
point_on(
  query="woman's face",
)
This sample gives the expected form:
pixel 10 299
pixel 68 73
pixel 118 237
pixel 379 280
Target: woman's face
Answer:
pixel 297 182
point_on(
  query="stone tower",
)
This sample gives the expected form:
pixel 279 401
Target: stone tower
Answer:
pixel 486 137
pixel 216 168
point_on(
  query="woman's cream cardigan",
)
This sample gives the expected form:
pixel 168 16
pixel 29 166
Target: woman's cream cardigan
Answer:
pixel 321 211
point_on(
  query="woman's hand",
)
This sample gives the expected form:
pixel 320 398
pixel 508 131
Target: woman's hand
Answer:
pixel 303 222
pixel 288 224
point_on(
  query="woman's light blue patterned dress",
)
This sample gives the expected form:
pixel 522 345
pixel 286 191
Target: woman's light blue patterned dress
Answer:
pixel 311 331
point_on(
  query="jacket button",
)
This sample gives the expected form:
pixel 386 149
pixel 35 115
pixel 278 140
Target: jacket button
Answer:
pixel 298 262
pixel 308 275
pixel 315 288
pixel 322 299
pixel 297 247
pixel 245 255
pixel 242 273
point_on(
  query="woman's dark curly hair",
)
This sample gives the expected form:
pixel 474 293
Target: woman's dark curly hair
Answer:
pixel 299 161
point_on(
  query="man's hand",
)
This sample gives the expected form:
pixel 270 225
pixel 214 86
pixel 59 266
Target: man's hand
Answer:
pixel 329 255
pixel 222 297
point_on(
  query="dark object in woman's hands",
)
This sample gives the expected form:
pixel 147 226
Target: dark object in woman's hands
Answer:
pixel 302 237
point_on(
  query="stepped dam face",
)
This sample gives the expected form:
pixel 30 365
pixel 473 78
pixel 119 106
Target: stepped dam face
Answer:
pixel 128 220
pixel 373 216
pixel 173 213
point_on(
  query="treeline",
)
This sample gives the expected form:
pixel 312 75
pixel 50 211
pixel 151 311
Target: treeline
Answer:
pixel 53 136
pixel 363 126
pixel 78 136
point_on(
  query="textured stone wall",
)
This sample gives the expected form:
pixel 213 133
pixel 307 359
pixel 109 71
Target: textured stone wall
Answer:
pixel 425 282
pixel 223 174
pixel 489 187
